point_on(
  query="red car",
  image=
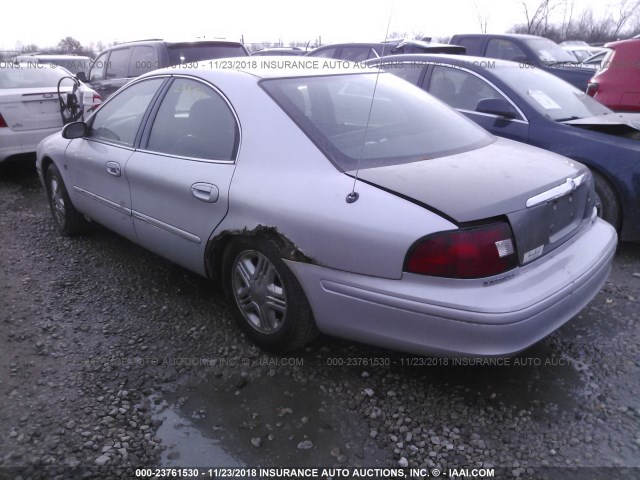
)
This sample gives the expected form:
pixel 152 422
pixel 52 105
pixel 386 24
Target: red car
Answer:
pixel 617 83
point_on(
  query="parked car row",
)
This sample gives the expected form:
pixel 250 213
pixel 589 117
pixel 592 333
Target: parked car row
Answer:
pixel 350 201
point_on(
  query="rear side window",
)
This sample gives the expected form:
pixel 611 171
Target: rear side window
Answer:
pixel 403 124
pixel 143 60
pixel 358 54
pixel 325 53
pixel 189 53
pixel 409 71
pixel 473 45
pixel 194 121
pixel 118 66
pixel 118 120
pixel 505 50
pixel 459 88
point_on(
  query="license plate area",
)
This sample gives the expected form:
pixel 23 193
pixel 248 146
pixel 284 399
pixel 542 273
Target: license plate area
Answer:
pixel 566 213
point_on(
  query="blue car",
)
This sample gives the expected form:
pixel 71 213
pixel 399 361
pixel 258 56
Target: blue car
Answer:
pixel 524 103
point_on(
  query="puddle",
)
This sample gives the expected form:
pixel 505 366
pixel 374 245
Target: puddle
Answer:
pixel 267 422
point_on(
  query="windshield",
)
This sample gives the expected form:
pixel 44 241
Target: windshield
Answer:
pixel 550 95
pixel 549 52
pixel 405 123
pixel 32 75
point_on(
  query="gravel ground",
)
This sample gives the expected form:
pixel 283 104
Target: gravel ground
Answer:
pixel 113 359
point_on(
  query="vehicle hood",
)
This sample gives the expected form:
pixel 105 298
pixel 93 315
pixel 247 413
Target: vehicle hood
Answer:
pixel 629 119
pixel 490 181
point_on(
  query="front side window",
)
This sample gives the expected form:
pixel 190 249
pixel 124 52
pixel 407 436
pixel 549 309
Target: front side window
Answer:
pixel 118 120
pixel 194 121
pixel 98 68
pixel 402 124
pixel 459 88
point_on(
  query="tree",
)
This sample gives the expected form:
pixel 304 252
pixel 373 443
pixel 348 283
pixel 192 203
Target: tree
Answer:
pixel 69 45
pixel 627 9
pixel 537 15
pixel 30 48
pixel 482 15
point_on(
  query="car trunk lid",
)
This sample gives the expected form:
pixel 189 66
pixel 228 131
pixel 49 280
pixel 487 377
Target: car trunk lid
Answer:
pixel 545 197
pixel 31 109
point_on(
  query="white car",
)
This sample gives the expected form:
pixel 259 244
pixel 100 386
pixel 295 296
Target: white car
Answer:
pixel 30 109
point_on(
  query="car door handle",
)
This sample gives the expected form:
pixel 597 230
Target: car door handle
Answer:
pixel 113 168
pixel 205 192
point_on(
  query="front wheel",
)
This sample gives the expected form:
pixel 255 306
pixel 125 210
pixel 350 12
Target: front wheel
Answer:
pixel 266 299
pixel 607 202
pixel 67 219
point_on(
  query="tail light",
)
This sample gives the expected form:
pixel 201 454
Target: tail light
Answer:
pixel 3 124
pixel 473 252
pixel 592 89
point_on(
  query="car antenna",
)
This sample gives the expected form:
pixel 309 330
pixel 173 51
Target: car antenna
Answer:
pixel 353 195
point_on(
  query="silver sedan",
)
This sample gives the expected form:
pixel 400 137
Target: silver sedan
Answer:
pixel 337 200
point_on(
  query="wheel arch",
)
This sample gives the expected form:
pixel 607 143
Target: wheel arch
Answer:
pixel 216 246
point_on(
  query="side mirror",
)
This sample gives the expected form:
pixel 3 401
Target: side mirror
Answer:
pixel 75 130
pixel 81 76
pixel 496 106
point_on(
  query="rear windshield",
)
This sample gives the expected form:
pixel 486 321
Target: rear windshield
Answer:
pixel 190 53
pixel 31 76
pixel 405 124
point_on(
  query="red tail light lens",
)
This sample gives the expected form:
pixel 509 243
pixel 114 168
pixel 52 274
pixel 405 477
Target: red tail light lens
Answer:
pixel 592 89
pixel 474 252
pixel 3 124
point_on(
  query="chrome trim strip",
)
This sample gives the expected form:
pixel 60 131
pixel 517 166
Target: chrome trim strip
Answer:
pixel 194 159
pixel 104 201
pixel 166 227
pixel 556 192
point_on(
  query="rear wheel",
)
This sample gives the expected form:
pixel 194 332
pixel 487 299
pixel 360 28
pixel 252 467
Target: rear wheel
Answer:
pixel 266 299
pixel 67 219
pixel 607 202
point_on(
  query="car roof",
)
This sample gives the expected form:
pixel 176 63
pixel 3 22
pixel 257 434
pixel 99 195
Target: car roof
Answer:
pixel 272 67
pixel 460 60
pixel 53 56
pixel 522 36
pixel 176 42
pixel 630 41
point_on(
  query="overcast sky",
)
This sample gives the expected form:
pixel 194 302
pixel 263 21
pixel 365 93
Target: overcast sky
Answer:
pixel 44 23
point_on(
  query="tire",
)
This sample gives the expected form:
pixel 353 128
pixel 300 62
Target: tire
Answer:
pixel 607 202
pixel 266 299
pixel 66 218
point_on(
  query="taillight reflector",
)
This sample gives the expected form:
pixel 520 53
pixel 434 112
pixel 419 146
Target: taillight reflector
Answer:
pixel 3 124
pixel 473 252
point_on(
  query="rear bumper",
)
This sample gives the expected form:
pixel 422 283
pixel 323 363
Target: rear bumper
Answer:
pixel 18 142
pixel 425 315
